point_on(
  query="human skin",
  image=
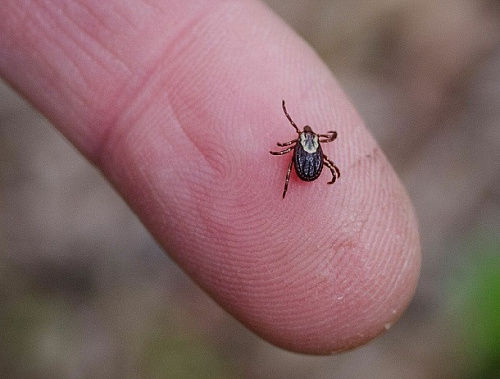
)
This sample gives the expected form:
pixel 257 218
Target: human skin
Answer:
pixel 178 103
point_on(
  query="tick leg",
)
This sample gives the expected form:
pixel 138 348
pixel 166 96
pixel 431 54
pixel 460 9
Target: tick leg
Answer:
pixel 289 118
pixel 287 178
pixel 329 137
pixel 287 143
pixel 282 151
pixel 334 169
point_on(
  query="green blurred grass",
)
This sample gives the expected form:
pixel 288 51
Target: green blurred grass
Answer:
pixel 476 308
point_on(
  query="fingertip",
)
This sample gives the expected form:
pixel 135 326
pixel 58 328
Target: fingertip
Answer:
pixel 324 271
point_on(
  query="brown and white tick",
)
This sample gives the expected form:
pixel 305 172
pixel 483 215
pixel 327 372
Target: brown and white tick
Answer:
pixel 308 158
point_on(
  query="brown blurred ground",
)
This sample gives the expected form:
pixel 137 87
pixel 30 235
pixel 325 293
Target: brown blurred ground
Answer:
pixel 85 291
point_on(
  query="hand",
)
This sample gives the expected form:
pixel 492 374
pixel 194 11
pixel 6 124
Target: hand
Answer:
pixel 178 104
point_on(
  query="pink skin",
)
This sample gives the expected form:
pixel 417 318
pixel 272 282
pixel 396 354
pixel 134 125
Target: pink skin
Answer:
pixel 178 103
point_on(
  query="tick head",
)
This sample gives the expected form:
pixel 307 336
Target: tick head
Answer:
pixel 307 129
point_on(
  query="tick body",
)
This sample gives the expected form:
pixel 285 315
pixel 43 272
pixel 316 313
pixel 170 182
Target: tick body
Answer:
pixel 308 158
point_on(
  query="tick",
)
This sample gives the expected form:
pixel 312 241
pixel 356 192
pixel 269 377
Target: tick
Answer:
pixel 308 158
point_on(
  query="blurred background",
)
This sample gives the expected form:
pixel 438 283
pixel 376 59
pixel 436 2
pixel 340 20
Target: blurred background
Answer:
pixel 86 292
